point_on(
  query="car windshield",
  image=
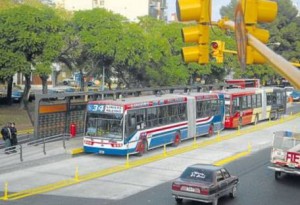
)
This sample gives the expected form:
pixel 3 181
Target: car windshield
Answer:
pixel 107 126
pixel 197 174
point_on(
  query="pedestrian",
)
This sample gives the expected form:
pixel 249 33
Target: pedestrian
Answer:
pixel 14 139
pixel 6 136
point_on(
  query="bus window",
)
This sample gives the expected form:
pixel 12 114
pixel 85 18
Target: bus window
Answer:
pixel 236 105
pixel 254 104
pixel 104 125
pixel 244 102
pixel 258 100
pixel 249 101
pixel 182 111
pixel 152 120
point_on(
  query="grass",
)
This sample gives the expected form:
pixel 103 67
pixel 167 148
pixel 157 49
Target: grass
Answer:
pixel 13 113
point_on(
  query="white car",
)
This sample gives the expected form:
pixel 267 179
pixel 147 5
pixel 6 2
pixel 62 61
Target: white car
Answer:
pixel 288 90
pixel 69 81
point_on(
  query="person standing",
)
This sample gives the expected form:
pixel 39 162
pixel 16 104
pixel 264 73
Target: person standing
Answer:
pixel 6 135
pixel 14 139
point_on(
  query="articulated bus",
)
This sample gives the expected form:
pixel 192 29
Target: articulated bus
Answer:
pixel 244 83
pixel 135 125
pixel 246 106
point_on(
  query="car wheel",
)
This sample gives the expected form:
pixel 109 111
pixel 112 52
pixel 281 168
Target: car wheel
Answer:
pixel 277 175
pixel 233 191
pixel 178 200
pixel 215 201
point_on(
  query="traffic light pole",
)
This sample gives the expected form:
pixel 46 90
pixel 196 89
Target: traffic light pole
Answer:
pixel 279 64
pixel 282 66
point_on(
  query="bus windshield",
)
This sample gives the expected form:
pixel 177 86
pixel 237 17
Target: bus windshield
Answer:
pixel 227 106
pixel 108 126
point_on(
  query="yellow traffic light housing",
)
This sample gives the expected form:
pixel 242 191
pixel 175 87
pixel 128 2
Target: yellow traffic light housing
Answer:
pixel 199 11
pixel 193 10
pixel 253 57
pixel 218 48
pixel 257 11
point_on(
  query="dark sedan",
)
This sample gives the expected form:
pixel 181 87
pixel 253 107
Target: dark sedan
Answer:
pixel 16 95
pixel 205 183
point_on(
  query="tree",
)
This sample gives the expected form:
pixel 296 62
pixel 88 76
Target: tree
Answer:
pixel 34 33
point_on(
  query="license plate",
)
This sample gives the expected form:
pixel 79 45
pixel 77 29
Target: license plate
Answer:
pixel 101 151
pixel 190 189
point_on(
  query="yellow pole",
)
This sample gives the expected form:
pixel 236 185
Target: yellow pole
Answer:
pixel 165 150
pixel 5 197
pixel 195 140
pixel 76 174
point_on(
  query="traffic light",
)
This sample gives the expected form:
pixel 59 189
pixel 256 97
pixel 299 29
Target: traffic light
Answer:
pixel 199 11
pixel 257 11
pixel 218 48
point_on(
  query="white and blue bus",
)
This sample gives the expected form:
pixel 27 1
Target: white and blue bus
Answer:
pixel 138 124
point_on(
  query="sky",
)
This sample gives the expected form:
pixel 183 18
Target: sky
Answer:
pixel 216 5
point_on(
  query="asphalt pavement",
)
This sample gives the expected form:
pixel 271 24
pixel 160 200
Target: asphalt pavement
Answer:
pixel 55 175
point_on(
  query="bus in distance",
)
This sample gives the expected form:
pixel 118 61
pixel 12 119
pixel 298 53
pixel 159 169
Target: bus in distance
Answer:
pixel 244 83
pixel 137 124
pixel 246 106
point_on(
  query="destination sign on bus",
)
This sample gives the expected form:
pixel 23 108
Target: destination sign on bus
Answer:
pixel 98 108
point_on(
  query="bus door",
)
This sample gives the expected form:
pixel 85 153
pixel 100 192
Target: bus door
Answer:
pixel 263 104
pixel 191 113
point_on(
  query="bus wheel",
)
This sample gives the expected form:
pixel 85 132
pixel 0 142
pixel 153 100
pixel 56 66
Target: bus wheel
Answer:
pixel 177 139
pixel 211 130
pixel 143 148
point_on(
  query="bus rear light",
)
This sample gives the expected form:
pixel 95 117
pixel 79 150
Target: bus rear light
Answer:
pixel 88 142
pixel 116 144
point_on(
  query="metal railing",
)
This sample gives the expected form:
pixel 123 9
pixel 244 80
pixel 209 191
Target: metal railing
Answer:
pixel 28 145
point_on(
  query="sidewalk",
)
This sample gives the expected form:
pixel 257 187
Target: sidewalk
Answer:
pixel 32 155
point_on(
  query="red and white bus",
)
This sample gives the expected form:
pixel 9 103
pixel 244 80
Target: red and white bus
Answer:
pixel 244 83
pixel 137 124
pixel 245 106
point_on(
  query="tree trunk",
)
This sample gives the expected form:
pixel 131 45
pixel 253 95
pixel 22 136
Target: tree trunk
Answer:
pixel 44 83
pixel 9 90
pixel 81 81
pixel 26 91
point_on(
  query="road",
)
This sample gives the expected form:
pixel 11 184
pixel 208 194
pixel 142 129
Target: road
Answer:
pixel 257 186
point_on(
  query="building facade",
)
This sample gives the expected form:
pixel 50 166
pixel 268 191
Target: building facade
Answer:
pixel 131 9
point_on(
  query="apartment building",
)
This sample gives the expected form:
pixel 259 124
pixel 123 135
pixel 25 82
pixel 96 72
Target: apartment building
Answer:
pixel 131 9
